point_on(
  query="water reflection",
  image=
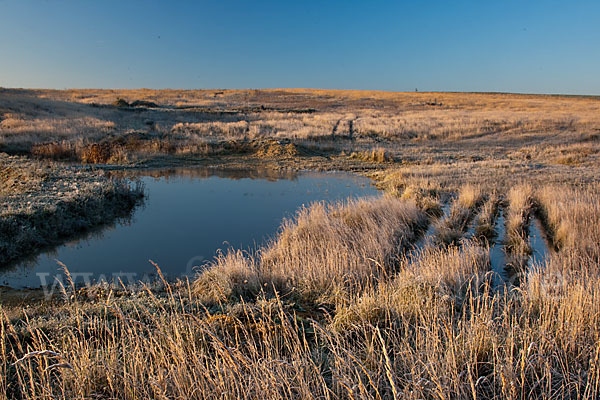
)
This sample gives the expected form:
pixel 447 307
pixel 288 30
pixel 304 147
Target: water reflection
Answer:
pixel 189 214
pixel 498 252
pixel 200 173
pixel 539 244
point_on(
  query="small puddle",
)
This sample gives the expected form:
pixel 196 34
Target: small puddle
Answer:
pixel 498 253
pixel 539 246
pixel 539 255
pixel 188 215
pixel 470 233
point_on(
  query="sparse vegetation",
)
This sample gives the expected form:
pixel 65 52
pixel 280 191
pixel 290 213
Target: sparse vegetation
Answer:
pixel 376 126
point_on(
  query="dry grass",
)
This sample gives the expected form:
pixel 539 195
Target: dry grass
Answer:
pixel 572 215
pixel 434 328
pixel 333 307
pixel 44 203
pixel 426 194
pixel 324 251
pixel 375 155
pixel 451 228
pixel 551 130
pixel 237 129
pixel 232 276
pixel 520 208
pixel 486 219
pixel 20 127
pixel 17 178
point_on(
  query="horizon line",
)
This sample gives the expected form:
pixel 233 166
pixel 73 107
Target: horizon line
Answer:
pixel 588 95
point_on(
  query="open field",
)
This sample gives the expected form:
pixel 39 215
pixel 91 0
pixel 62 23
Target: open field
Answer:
pixel 547 134
pixel 394 297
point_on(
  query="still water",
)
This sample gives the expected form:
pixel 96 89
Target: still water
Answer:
pixel 187 217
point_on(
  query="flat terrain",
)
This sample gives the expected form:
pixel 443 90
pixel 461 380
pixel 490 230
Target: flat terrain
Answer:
pixel 403 296
pixel 529 135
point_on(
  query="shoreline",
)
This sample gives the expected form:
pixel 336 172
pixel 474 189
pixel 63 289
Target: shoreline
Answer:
pixel 45 203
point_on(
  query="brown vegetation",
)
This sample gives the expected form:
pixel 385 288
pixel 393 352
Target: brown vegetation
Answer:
pixel 451 228
pixel 376 155
pixel 552 132
pixel 520 208
pixel 328 309
pixel 339 304
pixel 486 220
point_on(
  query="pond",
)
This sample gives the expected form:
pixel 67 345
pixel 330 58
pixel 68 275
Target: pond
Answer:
pixel 187 217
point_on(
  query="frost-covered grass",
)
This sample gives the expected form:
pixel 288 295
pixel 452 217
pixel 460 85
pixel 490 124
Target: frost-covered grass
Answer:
pixel 44 203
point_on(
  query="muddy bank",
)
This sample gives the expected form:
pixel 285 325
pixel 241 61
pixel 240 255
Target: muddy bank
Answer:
pixel 139 151
pixel 44 203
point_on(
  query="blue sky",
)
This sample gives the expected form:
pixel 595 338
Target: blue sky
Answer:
pixel 511 46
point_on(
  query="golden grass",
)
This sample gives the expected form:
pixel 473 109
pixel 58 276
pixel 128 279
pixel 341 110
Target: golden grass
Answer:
pixel 451 228
pixel 232 276
pixel 553 130
pixel 572 215
pixel 333 307
pixel 430 327
pixel 326 249
pixel 520 207
pixel 375 155
pixel 486 219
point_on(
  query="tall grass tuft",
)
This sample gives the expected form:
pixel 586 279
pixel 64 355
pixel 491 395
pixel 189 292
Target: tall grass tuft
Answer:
pixel 451 228
pixel 520 208
pixel 325 250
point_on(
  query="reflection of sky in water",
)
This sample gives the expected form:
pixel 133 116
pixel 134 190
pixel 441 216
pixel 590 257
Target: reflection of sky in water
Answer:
pixel 498 252
pixel 186 219
pixel 538 243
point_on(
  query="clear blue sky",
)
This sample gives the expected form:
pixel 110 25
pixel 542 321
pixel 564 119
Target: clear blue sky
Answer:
pixel 513 46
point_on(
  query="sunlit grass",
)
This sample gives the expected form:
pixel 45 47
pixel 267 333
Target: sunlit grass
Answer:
pixel 348 300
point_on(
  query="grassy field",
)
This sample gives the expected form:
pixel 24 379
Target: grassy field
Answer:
pixel 340 127
pixel 392 297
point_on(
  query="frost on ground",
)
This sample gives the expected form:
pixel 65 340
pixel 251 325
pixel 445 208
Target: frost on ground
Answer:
pixel 42 203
